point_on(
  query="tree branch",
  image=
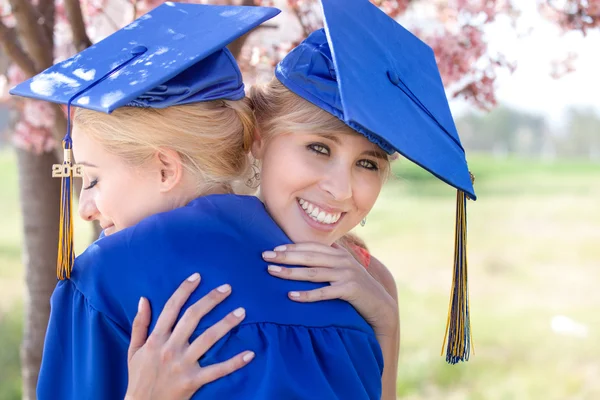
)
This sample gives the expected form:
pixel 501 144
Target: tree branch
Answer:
pixel 305 29
pixel 46 10
pixel 32 34
pixel 235 47
pixel 75 16
pixel 135 8
pixel 8 39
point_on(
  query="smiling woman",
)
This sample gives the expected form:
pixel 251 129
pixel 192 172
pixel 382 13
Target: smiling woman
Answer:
pixel 332 174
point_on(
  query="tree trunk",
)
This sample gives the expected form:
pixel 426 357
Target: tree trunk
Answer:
pixel 40 200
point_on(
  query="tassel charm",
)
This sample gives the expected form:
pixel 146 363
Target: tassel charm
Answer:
pixel 66 171
pixel 457 338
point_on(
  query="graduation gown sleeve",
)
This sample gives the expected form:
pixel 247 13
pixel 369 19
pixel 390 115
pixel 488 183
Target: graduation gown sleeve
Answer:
pixel 83 352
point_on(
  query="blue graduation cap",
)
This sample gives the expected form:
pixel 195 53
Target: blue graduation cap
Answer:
pixel 382 81
pixel 175 54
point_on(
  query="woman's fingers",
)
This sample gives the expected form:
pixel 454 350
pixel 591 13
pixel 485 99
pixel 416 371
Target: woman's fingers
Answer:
pixel 210 336
pixel 172 308
pixel 306 258
pixel 308 274
pixel 139 331
pixel 192 316
pixel 308 246
pixel 344 292
pixel 216 371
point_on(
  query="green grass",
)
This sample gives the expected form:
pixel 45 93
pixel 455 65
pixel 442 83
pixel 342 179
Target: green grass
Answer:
pixel 534 253
pixel 11 327
pixel 11 285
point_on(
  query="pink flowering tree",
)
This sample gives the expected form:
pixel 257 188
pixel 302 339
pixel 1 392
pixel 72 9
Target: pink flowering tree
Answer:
pixel 36 33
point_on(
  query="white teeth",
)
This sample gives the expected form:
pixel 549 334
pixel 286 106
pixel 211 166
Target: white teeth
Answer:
pixel 320 216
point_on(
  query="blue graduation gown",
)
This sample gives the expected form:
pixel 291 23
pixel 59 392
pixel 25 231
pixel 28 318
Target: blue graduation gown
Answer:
pixel 323 350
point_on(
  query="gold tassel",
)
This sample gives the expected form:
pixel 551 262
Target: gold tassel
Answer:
pixel 66 171
pixel 457 338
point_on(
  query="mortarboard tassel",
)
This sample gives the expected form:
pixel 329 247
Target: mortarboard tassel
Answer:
pixel 66 171
pixel 458 326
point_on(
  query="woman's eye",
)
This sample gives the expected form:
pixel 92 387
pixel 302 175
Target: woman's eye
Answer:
pixel 91 185
pixel 368 165
pixel 319 148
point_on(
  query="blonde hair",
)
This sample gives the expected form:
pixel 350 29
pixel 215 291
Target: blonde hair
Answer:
pixel 212 138
pixel 279 110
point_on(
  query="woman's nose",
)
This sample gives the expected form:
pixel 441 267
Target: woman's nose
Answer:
pixel 338 184
pixel 87 207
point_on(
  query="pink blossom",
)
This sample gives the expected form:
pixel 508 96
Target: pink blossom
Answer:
pixel 563 66
pixel 572 15
pixel 38 114
pixel 15 75
pixel 34 139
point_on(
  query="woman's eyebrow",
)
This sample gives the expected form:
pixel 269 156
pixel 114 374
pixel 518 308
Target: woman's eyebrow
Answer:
pixel 376 154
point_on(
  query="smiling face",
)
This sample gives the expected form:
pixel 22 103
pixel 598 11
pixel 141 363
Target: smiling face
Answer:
pixel 318 186
pixel 319 178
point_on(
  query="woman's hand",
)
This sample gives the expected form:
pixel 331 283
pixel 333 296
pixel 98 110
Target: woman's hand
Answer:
pixel 349 280
pixel 165 365
pixel 372 293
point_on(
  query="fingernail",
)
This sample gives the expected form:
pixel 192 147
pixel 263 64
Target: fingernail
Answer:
pixel 224 288
pixel 248 356
pixel 140 304
pixel 274 268
pixel 280 248
pixel 194 277
pixel 239 312
pixel 269 254
pixel 294 294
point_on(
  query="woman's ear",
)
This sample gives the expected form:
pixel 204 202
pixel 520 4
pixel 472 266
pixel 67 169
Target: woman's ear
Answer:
pixel 258 145
pixel 171 169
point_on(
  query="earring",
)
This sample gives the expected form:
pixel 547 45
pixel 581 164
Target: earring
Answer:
pixel 363 222
pixel 254 181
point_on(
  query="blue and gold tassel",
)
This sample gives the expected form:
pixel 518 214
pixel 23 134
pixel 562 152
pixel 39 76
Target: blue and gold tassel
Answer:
pixel 66 171
pixel 457 338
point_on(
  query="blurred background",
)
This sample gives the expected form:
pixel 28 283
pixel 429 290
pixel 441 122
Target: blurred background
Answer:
pixel 523 83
